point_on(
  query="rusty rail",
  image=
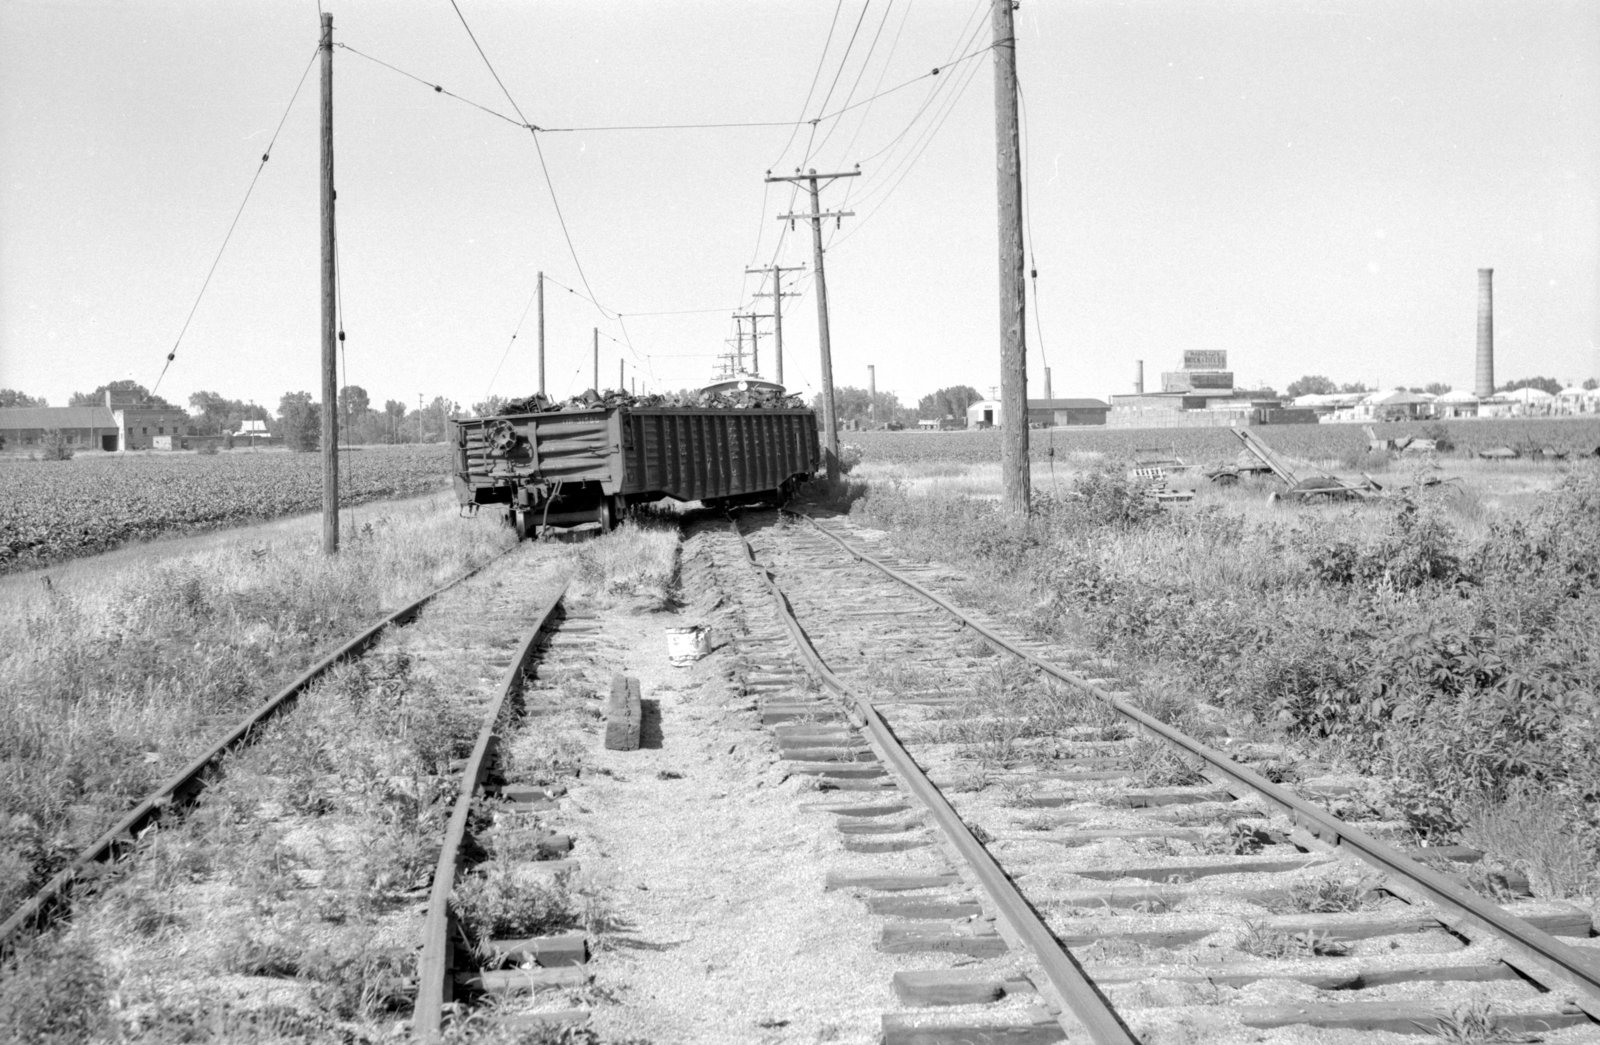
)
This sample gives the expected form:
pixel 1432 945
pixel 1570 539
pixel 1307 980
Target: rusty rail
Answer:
pixel 1088 1012
pixel 188 783
pixel 1544 958
pixel 434 968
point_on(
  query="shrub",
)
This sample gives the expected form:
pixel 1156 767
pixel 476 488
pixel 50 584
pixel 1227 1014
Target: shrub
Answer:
pixel 54 447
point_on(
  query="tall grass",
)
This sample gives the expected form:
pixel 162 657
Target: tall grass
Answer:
pixel 115 677
pixel 1442 643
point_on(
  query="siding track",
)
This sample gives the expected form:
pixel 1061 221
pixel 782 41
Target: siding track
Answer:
pixel 184 787
pixel 1165 889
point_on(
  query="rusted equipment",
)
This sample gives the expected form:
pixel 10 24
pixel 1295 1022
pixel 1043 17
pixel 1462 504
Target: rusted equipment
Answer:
pixel 1301 487
pixel 586 463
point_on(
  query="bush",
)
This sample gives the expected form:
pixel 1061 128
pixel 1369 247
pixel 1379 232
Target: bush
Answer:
pixel 54 447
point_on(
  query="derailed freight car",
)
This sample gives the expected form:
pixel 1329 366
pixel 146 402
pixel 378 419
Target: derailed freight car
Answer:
pixel 567 467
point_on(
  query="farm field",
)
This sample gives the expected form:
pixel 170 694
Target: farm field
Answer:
pixel 56 510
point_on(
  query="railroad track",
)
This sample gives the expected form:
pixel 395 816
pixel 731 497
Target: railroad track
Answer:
pixel 1097 874
pixel 179 791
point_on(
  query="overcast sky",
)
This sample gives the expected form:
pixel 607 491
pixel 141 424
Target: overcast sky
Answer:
pixel 1310 186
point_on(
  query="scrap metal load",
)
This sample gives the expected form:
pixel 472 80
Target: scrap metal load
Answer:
pixel 587 459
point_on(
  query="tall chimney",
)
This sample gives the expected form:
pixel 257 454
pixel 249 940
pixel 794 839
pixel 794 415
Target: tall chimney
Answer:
pixel 1484 388
pixel 1138 381
pixel 1047 394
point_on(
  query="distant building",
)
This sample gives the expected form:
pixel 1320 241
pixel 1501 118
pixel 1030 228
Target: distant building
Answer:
pixel 112 428
pixel 1059 412
pixel 985 413
pixel 1201 395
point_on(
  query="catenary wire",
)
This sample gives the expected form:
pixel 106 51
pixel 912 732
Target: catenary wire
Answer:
pixel 265 156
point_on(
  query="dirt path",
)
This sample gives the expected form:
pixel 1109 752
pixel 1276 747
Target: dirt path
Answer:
pixel 723 932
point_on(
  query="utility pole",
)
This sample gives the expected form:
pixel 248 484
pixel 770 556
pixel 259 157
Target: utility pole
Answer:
pixel 872 395
pixel 830 420
pixel 777 297
pixel 541 333
pixel 330 373
pixel 755 346
pixel 596 359
pixel 622 383
pixel 1016 483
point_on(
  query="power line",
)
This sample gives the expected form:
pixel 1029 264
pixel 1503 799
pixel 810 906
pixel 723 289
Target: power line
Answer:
pixel 438 89
pixel 821 61
pixel 844 60
pixel 265 156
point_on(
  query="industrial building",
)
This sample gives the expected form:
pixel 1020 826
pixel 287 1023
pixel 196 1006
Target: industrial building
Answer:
pixel 1199 395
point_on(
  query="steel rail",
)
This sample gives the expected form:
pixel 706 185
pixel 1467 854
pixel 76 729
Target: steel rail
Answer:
pixel 434 985
pixel 187 783
pixel 1087 1011
pixel 1549 958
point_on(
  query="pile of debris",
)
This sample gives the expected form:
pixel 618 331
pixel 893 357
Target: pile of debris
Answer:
pixel 1305 486
pixel 732 399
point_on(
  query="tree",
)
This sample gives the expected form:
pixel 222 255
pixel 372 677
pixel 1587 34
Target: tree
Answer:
pixel 10 397
pixel 1591 383
pixel 1543 384
pixel 1436 388
pixel 948 402
pixel 490 407
pixel 300 421
pixel 395 413
pixel 1310 385
pixel 126 391
pixel 214 414
pixel 1355 388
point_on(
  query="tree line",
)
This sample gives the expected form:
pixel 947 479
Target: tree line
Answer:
pixel 298 420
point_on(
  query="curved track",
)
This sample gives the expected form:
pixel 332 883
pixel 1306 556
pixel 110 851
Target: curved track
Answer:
pixel 1204 894
pixel 187 784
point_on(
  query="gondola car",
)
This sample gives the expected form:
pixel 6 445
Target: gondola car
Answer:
pixel 573 466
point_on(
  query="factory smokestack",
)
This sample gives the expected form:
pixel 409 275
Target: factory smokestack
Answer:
pixel 1484 388
pixel 1047 394
pixel 1138 380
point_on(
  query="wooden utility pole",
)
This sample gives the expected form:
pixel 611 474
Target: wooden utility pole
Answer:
pixel 1016 483
pixel 622 382
pixel 830 421
pixel 777 297
pixel 872 395
pixel 596 360
pixel 541 333
pixel 755 344
pixel 330 319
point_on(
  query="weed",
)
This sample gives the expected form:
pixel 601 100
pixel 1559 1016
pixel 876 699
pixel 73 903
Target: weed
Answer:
pixel 53 990
pixel 1265 942
pixel 500 899
pixel 1474 1023
pixel 1327 895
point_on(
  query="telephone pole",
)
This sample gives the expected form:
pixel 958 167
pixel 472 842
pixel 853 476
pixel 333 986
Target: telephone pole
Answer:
pixel 596 360
pixel 755 346
pixel 829 413
pixel 777 297
pixel 1016 483
pixel 330 373
pixel 872 395
pixel 541 333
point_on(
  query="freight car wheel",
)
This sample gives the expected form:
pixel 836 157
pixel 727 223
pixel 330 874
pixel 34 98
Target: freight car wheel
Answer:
pixel 608 514
pixel 523 523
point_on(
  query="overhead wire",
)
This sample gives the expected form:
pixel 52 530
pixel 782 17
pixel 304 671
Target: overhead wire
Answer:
pixel 817 75
pixel 844 60
pixel 265 156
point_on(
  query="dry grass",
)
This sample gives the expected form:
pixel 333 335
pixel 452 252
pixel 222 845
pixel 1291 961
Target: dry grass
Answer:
pixel 636 560
pixel 118 674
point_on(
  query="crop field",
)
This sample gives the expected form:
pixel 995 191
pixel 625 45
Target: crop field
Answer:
pixel 55 510
pixel 1336 444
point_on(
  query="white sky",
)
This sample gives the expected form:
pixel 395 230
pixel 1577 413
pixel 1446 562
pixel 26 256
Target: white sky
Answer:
pixel 1308 185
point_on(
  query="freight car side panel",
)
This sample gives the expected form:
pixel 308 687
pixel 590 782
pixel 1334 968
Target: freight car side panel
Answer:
pixel 696 455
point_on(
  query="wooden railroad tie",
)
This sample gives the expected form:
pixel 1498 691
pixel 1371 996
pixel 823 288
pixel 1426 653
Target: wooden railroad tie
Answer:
pixel 623 714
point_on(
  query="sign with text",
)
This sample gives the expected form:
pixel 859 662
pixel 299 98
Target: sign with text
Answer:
pixel 1205 359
